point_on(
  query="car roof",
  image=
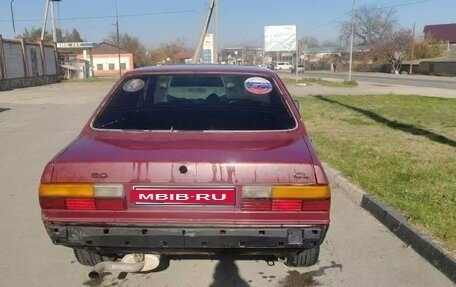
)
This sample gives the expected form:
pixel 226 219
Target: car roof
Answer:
pixel 192 68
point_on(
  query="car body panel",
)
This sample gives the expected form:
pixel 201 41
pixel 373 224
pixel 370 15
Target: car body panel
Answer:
pixel 211 159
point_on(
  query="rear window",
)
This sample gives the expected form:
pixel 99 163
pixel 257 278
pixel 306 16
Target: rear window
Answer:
pixel 196 102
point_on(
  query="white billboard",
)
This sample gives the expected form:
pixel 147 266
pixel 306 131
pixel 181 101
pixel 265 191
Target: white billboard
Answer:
pixel 208 49
pixel 280 38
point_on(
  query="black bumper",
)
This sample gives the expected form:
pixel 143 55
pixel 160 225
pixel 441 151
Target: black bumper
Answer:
pixel 161 239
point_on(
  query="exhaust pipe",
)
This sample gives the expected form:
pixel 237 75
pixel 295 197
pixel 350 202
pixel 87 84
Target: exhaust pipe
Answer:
pixel 131 263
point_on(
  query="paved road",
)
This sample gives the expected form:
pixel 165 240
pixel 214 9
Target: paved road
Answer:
pixel 379 78
pixel 40 121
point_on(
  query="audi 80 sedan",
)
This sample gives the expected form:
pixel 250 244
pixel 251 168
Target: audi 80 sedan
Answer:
pixel 182 161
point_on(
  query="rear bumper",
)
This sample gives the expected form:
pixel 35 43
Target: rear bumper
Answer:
pixel 175 240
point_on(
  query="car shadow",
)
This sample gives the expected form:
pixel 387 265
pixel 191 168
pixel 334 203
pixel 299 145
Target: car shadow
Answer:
pixel 407 128
pixel 226 274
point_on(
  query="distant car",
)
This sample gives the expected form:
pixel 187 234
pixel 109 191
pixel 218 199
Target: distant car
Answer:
pixel 301 69
pixel 189 161
pixel 282 66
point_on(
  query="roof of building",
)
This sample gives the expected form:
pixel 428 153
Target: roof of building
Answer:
pixel 441 32
pixel 106 48
pixel 185 55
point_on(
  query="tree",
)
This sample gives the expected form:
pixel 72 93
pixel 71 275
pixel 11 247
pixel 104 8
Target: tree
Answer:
pixel 393 49
pixel 309 42
pixel 74 36
pixel 372 24
pixel 34 34
pixel 133 45
pixel 170 50
pixel 423 49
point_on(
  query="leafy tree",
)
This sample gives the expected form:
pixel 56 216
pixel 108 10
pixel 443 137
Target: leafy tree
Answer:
pixel 34 34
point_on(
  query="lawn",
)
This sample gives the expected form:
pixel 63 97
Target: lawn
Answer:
pixel 319 81
pixel 401 149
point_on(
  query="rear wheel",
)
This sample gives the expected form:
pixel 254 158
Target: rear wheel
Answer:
pixel 303 258
pixel 90 258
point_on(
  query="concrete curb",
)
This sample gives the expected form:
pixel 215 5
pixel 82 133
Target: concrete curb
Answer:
pixel 422 243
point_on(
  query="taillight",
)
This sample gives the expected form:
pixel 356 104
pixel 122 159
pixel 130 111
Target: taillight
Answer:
pixel 82 196
pixel 286 204
pixel 286 198
pixel 256 204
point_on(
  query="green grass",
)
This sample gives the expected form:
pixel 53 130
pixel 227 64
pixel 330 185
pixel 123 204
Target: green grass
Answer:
pixel 401 149
pixel 319 81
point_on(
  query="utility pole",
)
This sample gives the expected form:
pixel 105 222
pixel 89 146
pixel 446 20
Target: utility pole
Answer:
pixel 413 50
pixel 43 28
pixel 54 31
pixel 46 11
pixel 118 36
pixel 199 47
pixel 216 28
pixel 12 18
pixel 351 41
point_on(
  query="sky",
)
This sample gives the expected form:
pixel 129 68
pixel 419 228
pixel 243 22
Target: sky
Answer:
pixel 241 22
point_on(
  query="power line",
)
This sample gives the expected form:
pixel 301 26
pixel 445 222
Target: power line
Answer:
pixel 391 5
pixel 110 16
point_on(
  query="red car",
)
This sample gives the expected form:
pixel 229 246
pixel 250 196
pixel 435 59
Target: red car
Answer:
pixel 189 161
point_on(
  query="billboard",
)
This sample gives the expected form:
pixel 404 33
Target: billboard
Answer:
pixel 208 49
pixel 280 38
pixel 76 45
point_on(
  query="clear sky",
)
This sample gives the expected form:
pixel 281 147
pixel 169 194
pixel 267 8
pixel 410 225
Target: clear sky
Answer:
pixel 241 21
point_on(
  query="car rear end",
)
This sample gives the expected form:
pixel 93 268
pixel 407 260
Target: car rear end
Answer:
pixel 181 162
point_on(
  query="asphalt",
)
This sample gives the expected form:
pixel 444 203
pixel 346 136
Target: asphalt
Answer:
pixel 35 123
pixel 391 79
pixel 365 88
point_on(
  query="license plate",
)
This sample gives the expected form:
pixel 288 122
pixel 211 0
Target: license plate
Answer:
pixel 182 196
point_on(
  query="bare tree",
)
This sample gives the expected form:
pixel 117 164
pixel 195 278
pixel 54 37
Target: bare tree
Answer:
pixel 393 49
pixel 133 45
pixel 170 50
pixel 309 42
pixel 372 23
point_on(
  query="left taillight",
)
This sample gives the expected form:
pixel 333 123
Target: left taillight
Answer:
pixel 82 196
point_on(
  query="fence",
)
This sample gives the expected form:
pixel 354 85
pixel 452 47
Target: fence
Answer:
pixel 24 64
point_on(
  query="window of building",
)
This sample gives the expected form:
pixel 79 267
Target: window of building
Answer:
pixel 100 67
pixel 123 66
pixel 112 67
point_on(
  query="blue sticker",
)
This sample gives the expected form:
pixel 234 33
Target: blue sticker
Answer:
pixel 258 86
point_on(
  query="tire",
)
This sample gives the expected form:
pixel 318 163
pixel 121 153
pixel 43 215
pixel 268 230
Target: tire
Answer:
pixel 304 258
pixel 87 258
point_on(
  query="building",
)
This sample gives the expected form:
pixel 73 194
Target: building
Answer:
pixel 106 60
pixel 441 33
pixel 242 56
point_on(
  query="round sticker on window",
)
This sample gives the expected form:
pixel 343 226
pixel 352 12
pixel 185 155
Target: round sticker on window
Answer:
pixel 133 85
pixel 258 86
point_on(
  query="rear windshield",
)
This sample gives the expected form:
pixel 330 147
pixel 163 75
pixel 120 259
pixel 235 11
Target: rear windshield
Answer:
pixel 195 102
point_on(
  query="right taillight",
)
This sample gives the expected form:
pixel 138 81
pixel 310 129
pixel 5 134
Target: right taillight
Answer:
pixel 286 198
pixel 82 196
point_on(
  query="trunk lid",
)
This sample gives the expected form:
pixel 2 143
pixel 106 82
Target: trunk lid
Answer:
pixel 187 159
